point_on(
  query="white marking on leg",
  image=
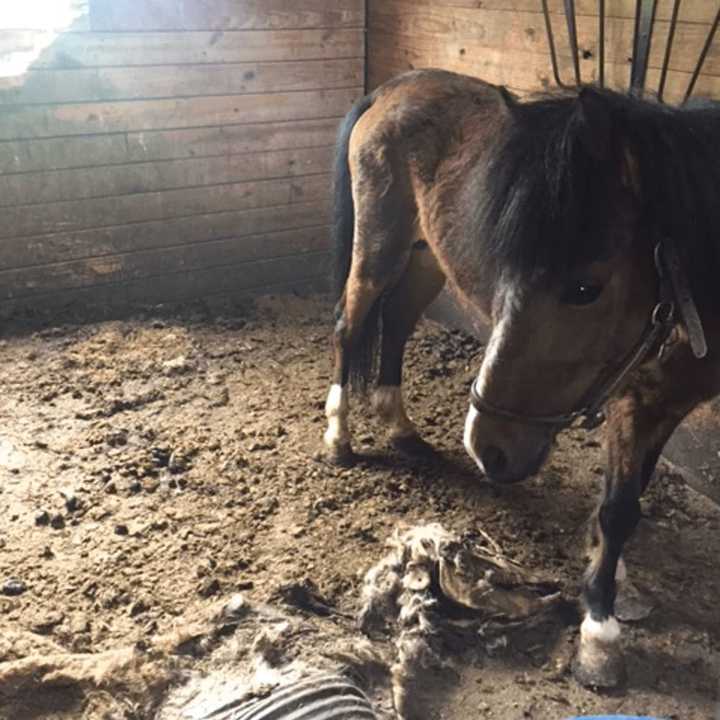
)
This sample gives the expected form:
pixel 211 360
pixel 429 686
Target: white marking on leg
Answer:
pixel 388 404
pixel 605 632
pixel 599 659
pixel 336 411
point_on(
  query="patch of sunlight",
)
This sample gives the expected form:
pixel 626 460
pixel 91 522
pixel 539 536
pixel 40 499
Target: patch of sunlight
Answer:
pixel 27 27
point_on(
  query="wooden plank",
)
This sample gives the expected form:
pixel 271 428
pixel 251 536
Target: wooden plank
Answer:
pixel 230 278
pixel 169 144
pixel 57 153
pixel 113 300
pixel 226 279
pixel 62 247
pixel 48 187
pixel 76 152
pixel 281 12
pixel 84 119
pixel 102 212
pixel 77 50
pixel 150 263
pixel 131 15
pixel 56 15
pixel 109 84
pixel 696 11
pixel 687 44
pixel 529 72
pixel 528 78
pixel 477 29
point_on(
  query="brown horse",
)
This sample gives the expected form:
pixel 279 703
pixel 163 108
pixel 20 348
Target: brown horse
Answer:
pixel 584 229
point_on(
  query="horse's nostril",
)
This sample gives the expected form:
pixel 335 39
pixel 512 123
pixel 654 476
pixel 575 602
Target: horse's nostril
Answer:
pixel 494 460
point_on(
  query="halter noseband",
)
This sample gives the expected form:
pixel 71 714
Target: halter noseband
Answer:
pixel 662 321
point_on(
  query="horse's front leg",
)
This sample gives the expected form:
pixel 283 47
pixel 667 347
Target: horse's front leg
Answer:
pixel 639 423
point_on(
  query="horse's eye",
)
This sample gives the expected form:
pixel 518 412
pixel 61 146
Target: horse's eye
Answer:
pixel 581 293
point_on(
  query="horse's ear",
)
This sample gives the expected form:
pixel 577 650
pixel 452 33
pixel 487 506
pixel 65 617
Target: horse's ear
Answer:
pixel 595 122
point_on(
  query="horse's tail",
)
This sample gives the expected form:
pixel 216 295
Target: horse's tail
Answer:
pixel 343 221
pixel 363 354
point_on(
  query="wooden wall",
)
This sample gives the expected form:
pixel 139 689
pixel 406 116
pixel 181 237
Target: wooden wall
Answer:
pixel 172 149
pixel 504 41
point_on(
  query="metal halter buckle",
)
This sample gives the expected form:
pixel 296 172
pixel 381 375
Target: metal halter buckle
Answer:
pixel 663 313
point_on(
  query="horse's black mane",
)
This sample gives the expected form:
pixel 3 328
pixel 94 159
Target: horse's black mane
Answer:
pixel 545 192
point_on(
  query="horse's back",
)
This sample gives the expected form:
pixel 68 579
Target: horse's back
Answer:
pixel 419 102
pixel 432 83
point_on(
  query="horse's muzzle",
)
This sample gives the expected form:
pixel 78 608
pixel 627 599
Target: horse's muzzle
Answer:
pixel 505 452
pixel 497 467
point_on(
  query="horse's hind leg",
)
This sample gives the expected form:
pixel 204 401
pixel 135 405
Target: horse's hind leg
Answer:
pixel 353 310
pixel 418 287
pixel 381 248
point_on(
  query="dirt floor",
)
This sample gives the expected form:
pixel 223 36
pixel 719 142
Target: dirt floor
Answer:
pixel 152 468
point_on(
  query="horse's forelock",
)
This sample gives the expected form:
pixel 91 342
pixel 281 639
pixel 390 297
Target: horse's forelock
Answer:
pixel 543 199
pixel 533 195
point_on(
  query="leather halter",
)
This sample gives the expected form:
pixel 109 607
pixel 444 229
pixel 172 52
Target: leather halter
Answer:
pixel 672 291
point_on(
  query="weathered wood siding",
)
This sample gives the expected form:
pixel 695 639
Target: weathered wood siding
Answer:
pixel 163 150
pixel 504 42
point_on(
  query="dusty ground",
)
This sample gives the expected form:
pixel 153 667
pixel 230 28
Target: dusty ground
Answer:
pixel 152 468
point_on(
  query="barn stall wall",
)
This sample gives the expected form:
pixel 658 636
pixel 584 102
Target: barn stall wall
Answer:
pixel 160 151
pixel 505 42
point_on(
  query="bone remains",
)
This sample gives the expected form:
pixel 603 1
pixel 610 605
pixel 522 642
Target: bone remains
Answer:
pixel 428 566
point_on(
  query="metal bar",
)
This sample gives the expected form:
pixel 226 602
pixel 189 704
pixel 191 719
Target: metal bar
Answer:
pixel 701 59
pixel 572 35
pixel 551 44
pixel 645 11
pixel 668 49
pixel 601 42
pixel 366 43
pixel 636 33
pixel 644 25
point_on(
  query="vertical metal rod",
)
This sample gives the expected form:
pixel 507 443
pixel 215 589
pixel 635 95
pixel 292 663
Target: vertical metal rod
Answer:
pixel 701 59
pixel 551 44
pixel 636 33
pixel 601 42
pixel 668 49
pixel 366 40
pixel 572 35
pixel 644 25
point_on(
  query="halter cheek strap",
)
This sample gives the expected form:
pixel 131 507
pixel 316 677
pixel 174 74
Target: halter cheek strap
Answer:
pixel 681 291
pixel 658 331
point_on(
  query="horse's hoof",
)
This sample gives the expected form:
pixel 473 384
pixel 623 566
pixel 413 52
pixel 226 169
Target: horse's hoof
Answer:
pixel 630 606
pixel 599 667
pixel 414 446
pixel 339 455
